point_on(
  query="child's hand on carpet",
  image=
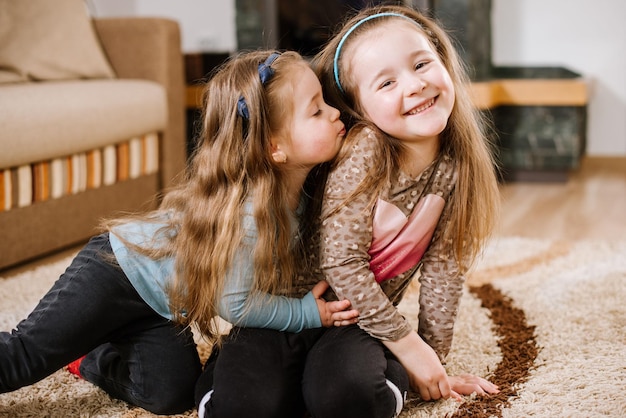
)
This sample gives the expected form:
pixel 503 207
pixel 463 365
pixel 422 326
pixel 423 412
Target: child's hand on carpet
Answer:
pixel 466 384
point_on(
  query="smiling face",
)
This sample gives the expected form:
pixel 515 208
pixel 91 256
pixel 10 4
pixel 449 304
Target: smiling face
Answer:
pixel 314 132
pixel 401 84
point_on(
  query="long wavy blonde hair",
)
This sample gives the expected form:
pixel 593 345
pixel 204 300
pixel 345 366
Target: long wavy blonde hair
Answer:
pixel 232 163
pixel 475 203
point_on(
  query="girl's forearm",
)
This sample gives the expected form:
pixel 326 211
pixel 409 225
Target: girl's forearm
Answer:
pixel 426 373
pixel 240 305
pixel 409 347
pixel 262 310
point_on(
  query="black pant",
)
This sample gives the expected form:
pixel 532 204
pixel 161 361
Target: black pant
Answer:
pixel 335 372
pixel 133 353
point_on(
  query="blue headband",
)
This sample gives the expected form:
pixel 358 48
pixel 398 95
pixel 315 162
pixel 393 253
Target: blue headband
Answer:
pixel 344 37
pixel 265 73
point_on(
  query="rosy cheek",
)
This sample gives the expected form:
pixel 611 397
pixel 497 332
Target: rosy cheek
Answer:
pixel 382 106
pixel 378 114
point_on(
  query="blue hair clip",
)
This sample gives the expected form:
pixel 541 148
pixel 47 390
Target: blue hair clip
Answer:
pixel 344 37
pixel 266 72
pixel 242 108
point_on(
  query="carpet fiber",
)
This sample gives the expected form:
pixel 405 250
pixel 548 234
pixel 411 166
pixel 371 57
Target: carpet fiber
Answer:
pixel 544 320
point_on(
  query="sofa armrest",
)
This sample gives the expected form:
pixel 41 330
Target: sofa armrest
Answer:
pixel 150 49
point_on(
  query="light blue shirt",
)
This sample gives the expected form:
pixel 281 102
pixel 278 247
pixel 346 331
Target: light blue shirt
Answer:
pixel 238 305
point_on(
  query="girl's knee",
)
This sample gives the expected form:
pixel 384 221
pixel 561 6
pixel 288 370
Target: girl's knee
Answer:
pixel 258 404
pixel 350 398
pixel 173 398
pixel 170 404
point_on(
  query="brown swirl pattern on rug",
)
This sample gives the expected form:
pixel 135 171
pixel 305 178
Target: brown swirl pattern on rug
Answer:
pixel 517 340
pixel 519 351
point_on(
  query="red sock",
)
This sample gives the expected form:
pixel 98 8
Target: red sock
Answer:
pixel 74 367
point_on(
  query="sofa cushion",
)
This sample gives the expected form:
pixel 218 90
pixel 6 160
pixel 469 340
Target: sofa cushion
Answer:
pixel 45 120
pixel 49 40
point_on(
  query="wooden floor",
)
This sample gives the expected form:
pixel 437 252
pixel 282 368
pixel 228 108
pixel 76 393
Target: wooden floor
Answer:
pixel 590 205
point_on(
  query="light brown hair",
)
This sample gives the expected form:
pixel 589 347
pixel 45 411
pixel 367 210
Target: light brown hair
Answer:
pixel 232 164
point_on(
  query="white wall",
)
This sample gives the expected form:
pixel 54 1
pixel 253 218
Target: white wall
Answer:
pixel 206 25
pixel 588 37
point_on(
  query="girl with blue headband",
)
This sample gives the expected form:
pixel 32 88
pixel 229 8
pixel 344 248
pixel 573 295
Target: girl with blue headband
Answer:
pixel 415 188
pixel 412 192
pixel 225 242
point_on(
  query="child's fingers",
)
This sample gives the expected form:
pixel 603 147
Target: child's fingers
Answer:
pixel 467 384
pixel 489 387
pixel 338 306
pixel 456 396
pixel 319 289
pixel 344 317
pixel 340 315
pixel 483 385
pixel 345 322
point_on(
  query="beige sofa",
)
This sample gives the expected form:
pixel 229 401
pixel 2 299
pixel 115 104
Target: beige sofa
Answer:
pixel 76 147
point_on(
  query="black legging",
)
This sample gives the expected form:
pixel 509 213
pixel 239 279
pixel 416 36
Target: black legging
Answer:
pixel 335 372
pixel 133 353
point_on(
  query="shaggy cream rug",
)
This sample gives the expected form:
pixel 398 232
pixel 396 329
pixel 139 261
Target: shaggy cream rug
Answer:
pixel 544 320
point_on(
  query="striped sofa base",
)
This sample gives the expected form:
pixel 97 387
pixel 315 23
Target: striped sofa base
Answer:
pixel 51 205
pixel 31 183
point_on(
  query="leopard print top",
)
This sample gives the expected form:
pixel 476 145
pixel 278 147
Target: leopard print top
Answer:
pixel 346 236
